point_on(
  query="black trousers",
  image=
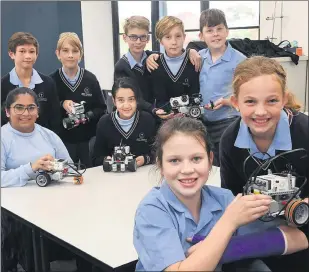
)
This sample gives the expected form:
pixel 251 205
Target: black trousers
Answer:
pixel 79 152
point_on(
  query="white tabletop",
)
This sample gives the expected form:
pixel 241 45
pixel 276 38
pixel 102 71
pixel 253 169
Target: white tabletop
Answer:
pixel 97 217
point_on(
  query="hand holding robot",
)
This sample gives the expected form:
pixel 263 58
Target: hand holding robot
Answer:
pixel 76 114
pixel 281 187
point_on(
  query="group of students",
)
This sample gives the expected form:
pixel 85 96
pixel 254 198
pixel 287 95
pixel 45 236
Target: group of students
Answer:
pixel 248 111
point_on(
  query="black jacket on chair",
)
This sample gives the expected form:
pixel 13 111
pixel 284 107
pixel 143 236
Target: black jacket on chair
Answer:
pixel 252 48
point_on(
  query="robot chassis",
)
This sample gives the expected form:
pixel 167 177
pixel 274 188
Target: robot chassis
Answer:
pixel 77 117
pixel 189 106
pixel 58 171
pixel 121 160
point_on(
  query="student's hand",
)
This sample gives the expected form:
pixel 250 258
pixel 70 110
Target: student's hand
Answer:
pixel 43 163
pixel 140 161
pixel 306 200
pixel 151 62
pixel 195 59
pixel 245 209
pixel 163 115
pixel 219 103
pixel 68 105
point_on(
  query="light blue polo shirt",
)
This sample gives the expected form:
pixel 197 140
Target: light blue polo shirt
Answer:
pixel 35 79
pixel 282 139
pixel 73 80
pixel 162 224
pixel 216 81
pixel 133 62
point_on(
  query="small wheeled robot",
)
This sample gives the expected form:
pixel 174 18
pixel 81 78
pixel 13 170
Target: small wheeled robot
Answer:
pixel 285 197
pixel 77 117
pixel 59 170
pixel 189 106
pixel 121 160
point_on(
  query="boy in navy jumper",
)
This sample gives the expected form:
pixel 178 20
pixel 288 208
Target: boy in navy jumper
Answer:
pixel 175 75
pixel 74 85
pixel 23 50
pixel 132 64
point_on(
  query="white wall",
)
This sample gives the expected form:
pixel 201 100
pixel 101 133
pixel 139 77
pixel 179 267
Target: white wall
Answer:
pixel 98 40
pixel 294 22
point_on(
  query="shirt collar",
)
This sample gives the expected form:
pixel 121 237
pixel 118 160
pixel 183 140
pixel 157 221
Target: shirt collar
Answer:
pixel 68 78
pixel 208 202
pixel 35 79
pixel 282 139
pixel 133 62
pixel 181 57
pixel 227 55
pixel 124 122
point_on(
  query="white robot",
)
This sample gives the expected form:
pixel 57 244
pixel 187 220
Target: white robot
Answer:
pixel 77 117
pixel 285 197
pixel 59 170
pixel 121 160
pixel 189 106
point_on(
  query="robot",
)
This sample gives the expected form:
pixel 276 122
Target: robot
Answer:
pixel 77 117
pixel 285 195
pixel 121 160
pixel 189 106
pixel 58 171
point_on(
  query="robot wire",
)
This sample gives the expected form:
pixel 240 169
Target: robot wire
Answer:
pixel 72 166
pixel 260 167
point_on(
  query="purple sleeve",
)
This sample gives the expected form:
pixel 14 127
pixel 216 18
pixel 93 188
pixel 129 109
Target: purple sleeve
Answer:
pixel 254 245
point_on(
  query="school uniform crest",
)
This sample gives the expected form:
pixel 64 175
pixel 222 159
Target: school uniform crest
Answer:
pixel 186 83
pixel 141 137
pixel 41 97
pixel 87 92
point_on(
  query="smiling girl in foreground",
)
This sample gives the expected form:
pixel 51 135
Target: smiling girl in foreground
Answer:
pixel 184 206
pixel 270 124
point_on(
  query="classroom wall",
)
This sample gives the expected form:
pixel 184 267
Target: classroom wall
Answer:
pixel 294 23
pixel 45 20
pixel 98 40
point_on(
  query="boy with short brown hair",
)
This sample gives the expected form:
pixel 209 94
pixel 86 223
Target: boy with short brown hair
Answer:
pixel 23 49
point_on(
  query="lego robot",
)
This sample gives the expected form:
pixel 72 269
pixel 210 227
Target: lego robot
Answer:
pixel 285 197
pixel 58 171
pixel 121 160
pixel 77 117
pixel 189 106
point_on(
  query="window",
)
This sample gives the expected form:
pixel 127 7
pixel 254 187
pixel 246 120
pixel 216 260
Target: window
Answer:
pixel 242 18
pixel 188 12
pixel 127 9
pixel 239 13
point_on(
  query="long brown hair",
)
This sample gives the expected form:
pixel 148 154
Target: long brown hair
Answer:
pixel 258 66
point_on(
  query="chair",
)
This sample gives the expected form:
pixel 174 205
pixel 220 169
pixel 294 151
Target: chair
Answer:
pixel 108 100
pixel 91 146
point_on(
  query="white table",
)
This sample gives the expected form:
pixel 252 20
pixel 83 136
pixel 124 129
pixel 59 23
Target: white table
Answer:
pixel 96 217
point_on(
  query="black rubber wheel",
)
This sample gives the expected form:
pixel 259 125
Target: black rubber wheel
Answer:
pixel 301 214
pixel 67 123
pixel 106 166
pixel 43 179
pixel 195 112
pixel 184 98
pixel 132 166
